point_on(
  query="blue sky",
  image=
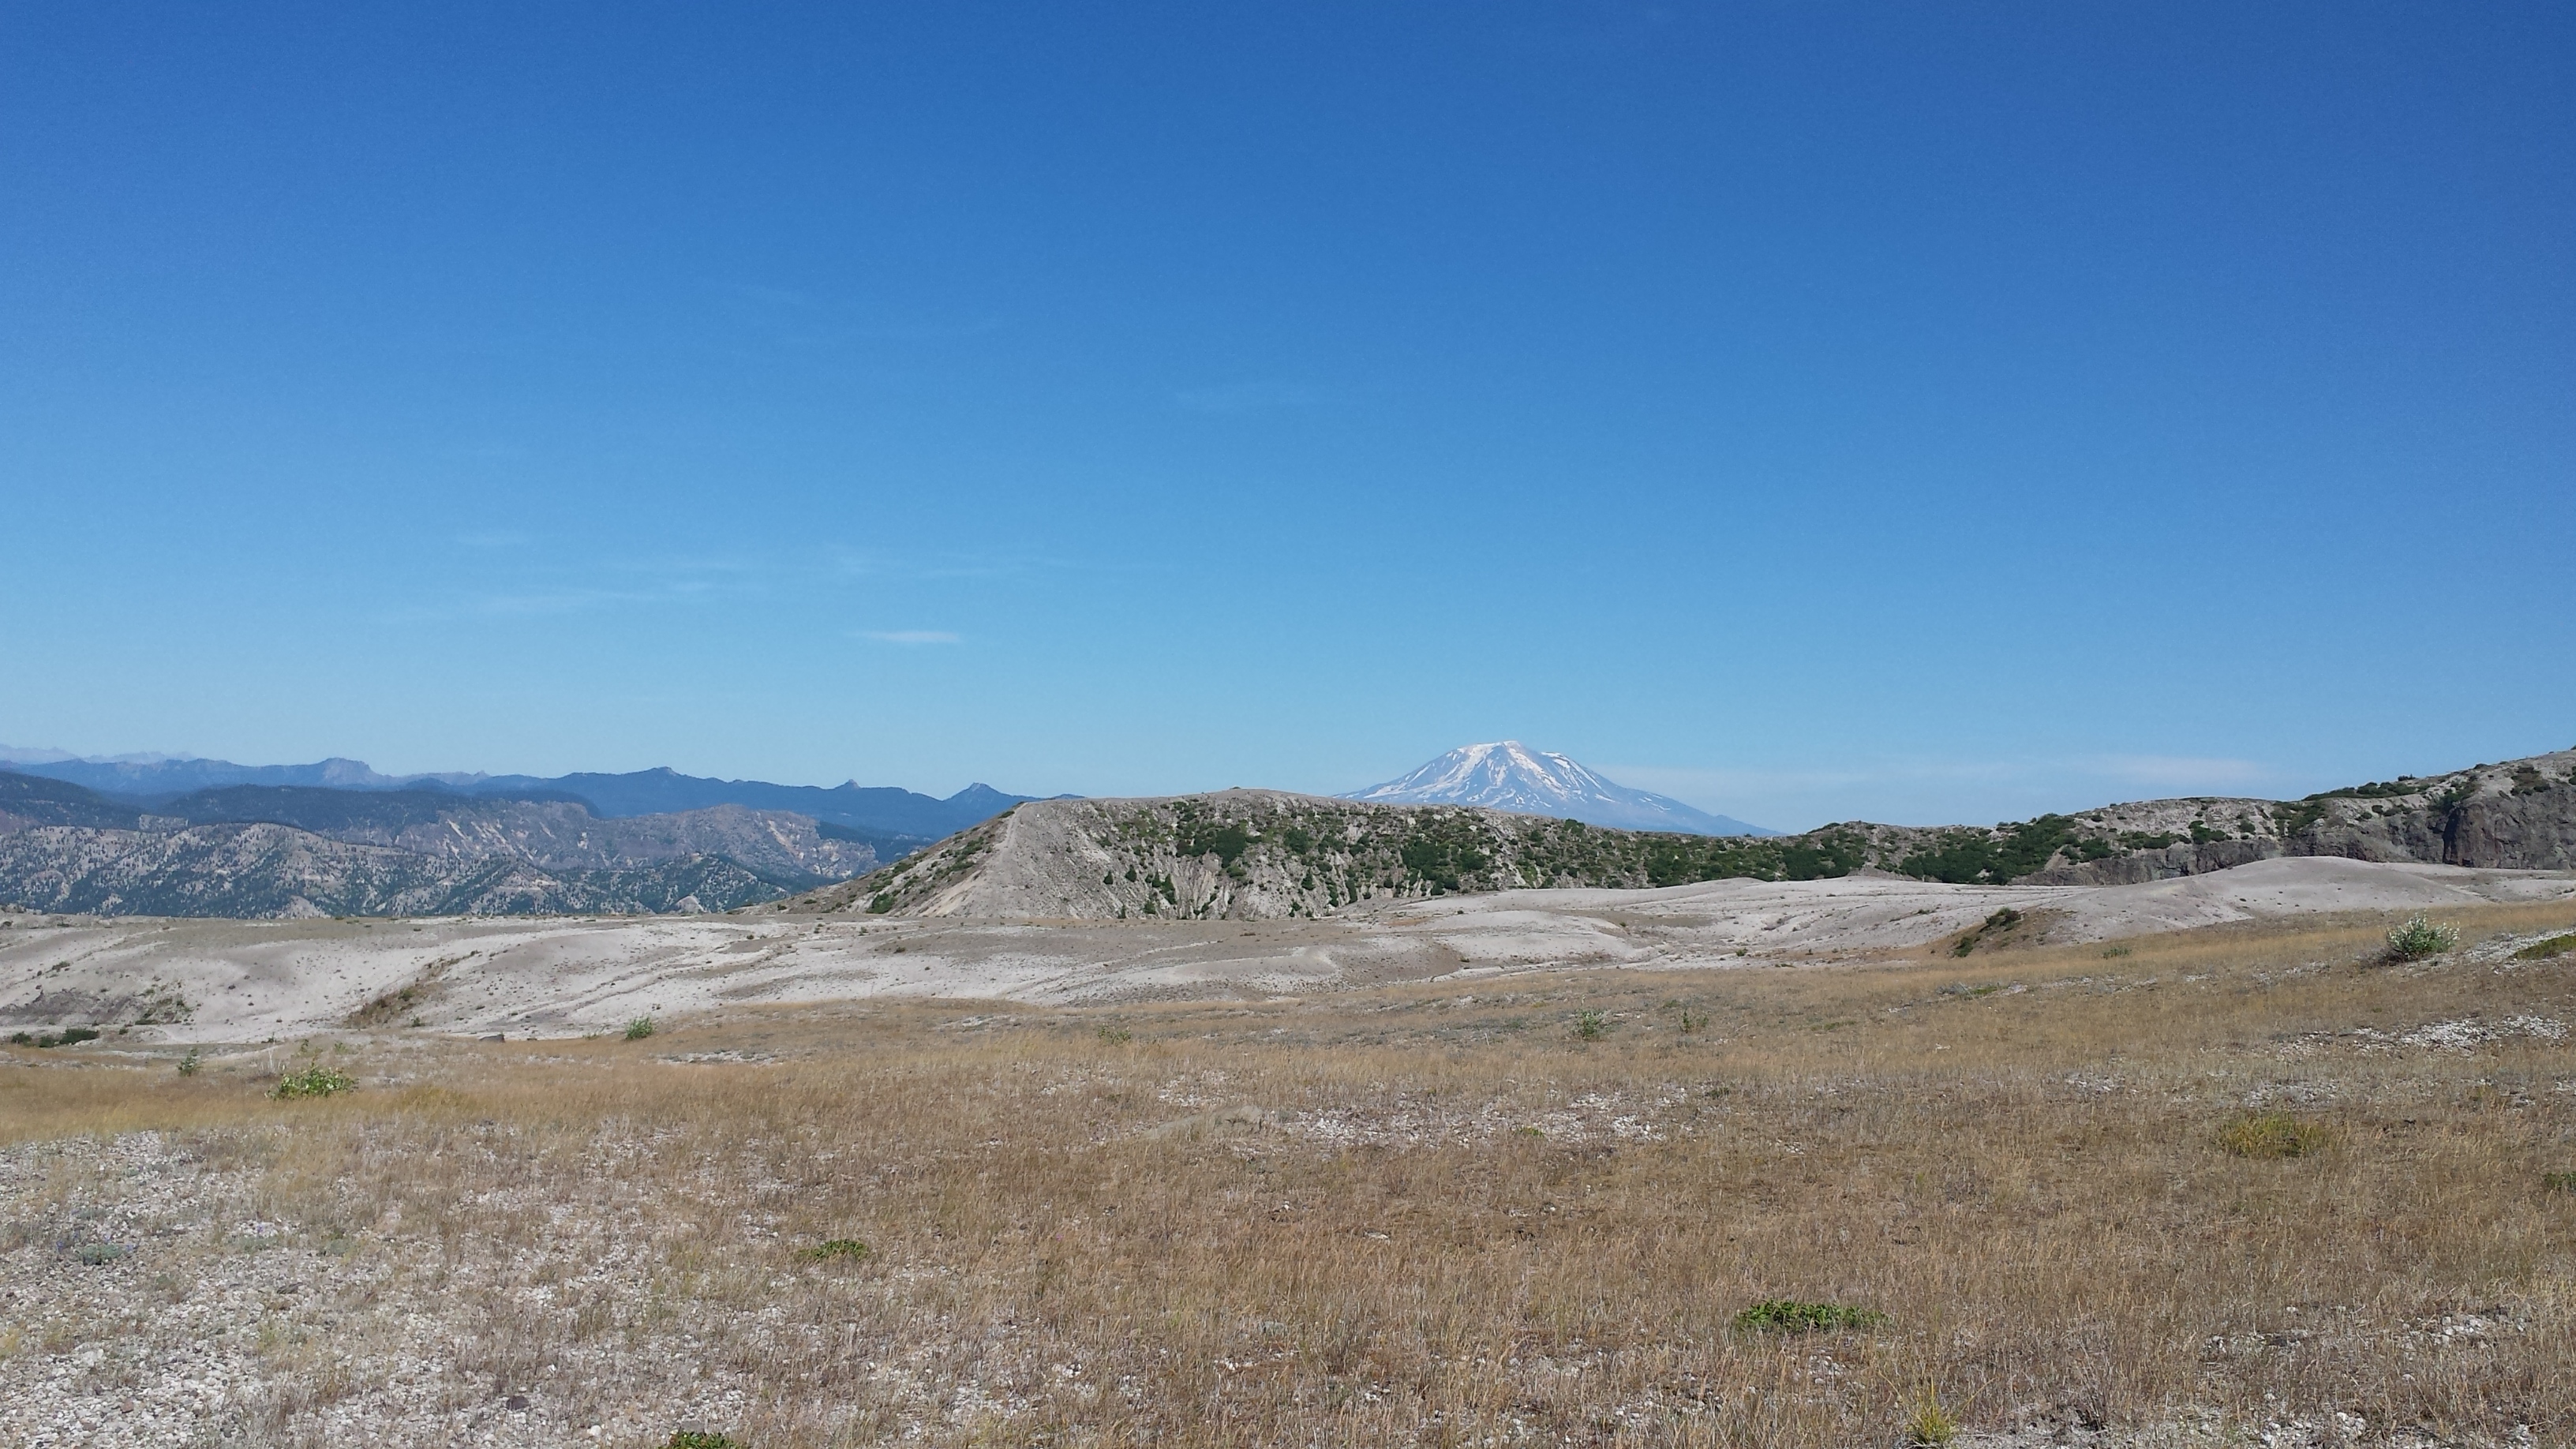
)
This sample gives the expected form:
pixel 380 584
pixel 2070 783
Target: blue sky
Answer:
pixel 1909 412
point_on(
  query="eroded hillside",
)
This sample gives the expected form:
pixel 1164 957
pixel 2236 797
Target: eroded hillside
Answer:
pixel 1258 855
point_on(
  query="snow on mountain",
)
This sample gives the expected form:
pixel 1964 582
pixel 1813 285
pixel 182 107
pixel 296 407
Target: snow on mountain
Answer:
pixel 1508 775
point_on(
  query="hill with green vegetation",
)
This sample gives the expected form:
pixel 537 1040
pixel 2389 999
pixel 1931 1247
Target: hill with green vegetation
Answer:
pixel 1258 854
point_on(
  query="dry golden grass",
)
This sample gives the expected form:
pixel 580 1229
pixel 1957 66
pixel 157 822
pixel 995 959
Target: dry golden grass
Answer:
pixel 1460 1222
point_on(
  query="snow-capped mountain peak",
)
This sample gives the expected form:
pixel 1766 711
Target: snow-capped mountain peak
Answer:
pixel 1509 775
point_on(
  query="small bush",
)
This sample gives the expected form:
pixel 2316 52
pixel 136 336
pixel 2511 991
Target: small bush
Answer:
pixel 845 1250
pixel 2543 950
pixel 68 1036
pixel 640 1028
pixel 96 1254
pixel 1995 925
pixel 1116 1036
pixel 2421 937
pixel 1927 1424
pixel 1788 1315
pixel 188 1064
pixel 2271 1134
pixel 314 1081
pixel 1591 1025
pixel 701 1439
pixel 2559 1181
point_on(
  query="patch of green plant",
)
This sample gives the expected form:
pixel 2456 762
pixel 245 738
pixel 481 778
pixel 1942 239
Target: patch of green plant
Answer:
pixel 2421 937
pixel 2455 794
pixel 2113 953
pixel 1116 1036
pixel 68 1036
pixel 2527 780
pixel 880 903
pixel 1994 925
pixel 96 1254
pixel 189 1065
pixel 2543 950
pixel 1927 1424
pixel 2559 1181
pixel 701 1439
pixel 2271 1134
pixel 639 1028
pixel 2201 834
pixel 1226 841
pixel 2375 790
pixel 316 1080
pixel 1591 1025
pixel 1789 1315
pixel 2300 818
pixel 842 1250
pixel 164 1006
pixel 1976 857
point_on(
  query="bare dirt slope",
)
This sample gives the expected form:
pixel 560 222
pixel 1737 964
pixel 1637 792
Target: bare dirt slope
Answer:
pixel 235 980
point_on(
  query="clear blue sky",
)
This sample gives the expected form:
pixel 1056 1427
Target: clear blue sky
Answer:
pixel 1907 411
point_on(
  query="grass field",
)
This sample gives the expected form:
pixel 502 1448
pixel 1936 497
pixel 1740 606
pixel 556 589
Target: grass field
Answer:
pixel 2202 1188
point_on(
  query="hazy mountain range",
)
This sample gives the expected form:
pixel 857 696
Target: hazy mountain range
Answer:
pixel 1508 775
pixel 292 850
pixel 152 781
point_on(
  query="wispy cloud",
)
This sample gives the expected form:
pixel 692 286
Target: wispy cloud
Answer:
pixel 910 636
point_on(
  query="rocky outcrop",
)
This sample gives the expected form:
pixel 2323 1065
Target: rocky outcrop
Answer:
pixel 1265 854
pixel 1254 854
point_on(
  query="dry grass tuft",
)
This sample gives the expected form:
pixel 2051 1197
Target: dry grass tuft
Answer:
pixel 2272 1134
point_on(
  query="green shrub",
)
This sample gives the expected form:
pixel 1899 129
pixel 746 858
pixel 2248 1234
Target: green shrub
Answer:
pixel 2271 1134
pixel 846 1250
pixel 1116 1036
pixel 1927 1424
pixel 314 1081
pixel 701 1439
pixel 639 1028
pixel 2421 937
pixel 1993 925
pixel 1591 1025
pixel 2543 950
pixel 1788 1315
pixel 2559 1181
pixel 1970 857
pixel 68 1036
pixel 97 1254
pixel 189 1064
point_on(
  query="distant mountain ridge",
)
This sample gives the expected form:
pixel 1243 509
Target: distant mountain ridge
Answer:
pixel 1508 775
pixel 877 811
pixel 285 850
